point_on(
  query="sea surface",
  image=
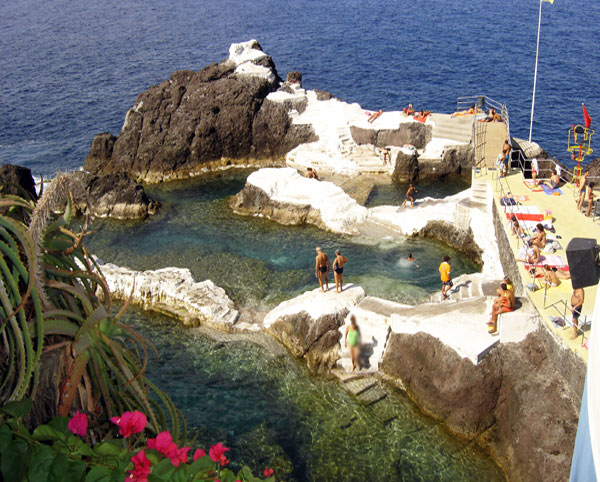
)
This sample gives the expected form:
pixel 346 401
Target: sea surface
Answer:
pixel 70 70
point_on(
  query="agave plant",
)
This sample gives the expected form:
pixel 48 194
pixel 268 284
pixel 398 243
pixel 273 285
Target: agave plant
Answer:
pixel 53 297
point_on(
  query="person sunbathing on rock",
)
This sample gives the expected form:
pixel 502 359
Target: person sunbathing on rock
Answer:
pixel 374 116
pixel 422 115
pixel 311 173
pixel 469 111
pixel 409 110
pixel 532 254
pixel 552 276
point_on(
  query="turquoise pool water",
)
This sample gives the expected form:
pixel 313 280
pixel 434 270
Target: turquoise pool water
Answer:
pixel 258 262
pixel 393 193
pixel 267 408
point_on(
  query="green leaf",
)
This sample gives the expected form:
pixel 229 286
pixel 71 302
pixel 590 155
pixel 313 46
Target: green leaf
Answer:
pixel 202 465
pixel 58 468
pixel 81 448
pixel 181 474
pixel 98 474
pixel 246 475
pixel 75 471
pixel 17 409
pixel 60 424
pixel 110 448
pixel 46 432
pixel 164 469
pixel 5 437
pixel 227 476
pixel 15 460
pixel 117 475
pixel 42 460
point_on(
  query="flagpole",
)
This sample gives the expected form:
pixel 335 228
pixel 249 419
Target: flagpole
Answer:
pixel 537 51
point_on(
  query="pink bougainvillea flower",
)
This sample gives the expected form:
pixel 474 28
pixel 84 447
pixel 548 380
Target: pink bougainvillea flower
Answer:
pixel 198 454
pixel 217 454
pixel 268 472
pixel 130 423
pixel 163 443
pixel 78 424
pixel 180 456
pixel 141 468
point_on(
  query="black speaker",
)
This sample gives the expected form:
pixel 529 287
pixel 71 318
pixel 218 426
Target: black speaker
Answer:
pixel 582 256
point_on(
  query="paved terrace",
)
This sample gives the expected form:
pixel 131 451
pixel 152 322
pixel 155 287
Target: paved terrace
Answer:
pixel 568 223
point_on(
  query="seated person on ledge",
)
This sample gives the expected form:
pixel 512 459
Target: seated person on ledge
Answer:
pixel 374 116
pixel 409 110
pixel 502 304
pixel 554 181
pixel 515 227
pixel 493 116
pixel 311 173
pixel 532 254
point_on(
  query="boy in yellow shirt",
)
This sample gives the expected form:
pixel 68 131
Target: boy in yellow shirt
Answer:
pixel 445 276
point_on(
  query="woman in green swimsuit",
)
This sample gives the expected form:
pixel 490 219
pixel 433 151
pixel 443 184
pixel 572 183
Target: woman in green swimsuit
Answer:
pixel 352 338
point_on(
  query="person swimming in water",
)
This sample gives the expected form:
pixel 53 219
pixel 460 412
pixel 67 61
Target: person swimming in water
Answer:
pixel 338 270
pixel 352 338
pixel 322 267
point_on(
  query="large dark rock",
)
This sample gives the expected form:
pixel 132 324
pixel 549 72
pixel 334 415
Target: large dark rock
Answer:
pixel 515 403
pixel 100 152
pixel 114 195
pixel 456 161
pixel 446 386
pixel 406 167
pixel 198 120
pixel 460 239
pixel 17 180
pixel 415 133
pixel 316 340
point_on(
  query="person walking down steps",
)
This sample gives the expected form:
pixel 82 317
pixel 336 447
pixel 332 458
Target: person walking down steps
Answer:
pixel 445 277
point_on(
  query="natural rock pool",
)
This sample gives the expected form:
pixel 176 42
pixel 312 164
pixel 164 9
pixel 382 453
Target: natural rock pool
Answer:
pixel 258 262
pixel 246 390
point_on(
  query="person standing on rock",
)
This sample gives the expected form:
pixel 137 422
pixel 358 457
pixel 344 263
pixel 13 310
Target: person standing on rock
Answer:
pixel 352 338
pixel 311 173
pixel 410 195
pixel 322 267
pixel 445 276
pixel 338 270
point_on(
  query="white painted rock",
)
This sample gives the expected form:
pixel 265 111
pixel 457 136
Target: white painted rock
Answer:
pixel 173 291
pixel 308 324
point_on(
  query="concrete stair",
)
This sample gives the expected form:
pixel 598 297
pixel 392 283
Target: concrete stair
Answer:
pixel 459 129
pixel 374 331
pixel 467 287
pixel 480 192
pixel 346 144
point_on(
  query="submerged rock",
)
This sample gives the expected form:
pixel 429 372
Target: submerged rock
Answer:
pixel 175 292
pixel 198 120
pixel 308 324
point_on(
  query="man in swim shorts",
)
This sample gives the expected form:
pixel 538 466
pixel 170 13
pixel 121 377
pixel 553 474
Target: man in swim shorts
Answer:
pixel 506 150
pixel 554 181
pixel 576 304
pixel 410 196
pixel 322 267
pixel 445 276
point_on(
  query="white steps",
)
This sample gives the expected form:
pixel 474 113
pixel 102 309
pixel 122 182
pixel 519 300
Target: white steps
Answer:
pixel 458 129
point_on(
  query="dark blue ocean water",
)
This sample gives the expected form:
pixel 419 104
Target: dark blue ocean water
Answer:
pixel 69 70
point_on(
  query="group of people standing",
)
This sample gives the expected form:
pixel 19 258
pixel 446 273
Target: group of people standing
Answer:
pixel 323 266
